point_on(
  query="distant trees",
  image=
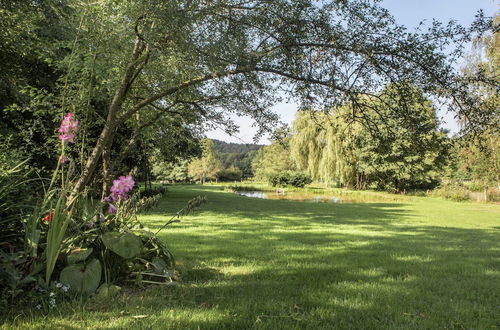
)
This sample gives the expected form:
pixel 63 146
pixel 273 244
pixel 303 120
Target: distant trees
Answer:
pixel 231 173
pixel 289 178
pixel 223 147
pixel 208 165
pixel 238 155
pixel 273 159
pixel 171 171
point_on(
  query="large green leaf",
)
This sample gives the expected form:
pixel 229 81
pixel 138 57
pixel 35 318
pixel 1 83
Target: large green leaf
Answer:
pixel 108 290
pixel 78 255
pixel 84 279
pixel 126 245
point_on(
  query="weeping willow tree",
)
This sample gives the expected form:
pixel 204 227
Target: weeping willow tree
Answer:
pixel 478 155
pixel 388 150
pixel 322 145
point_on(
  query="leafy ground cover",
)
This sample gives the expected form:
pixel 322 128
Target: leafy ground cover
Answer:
pixel 254 263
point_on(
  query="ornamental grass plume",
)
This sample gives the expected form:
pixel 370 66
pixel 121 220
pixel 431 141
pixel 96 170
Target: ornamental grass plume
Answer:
pixel 68 128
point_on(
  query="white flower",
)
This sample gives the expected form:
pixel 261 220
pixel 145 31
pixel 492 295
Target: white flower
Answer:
pixel 65 288
pixel 52 302
pixel 59 285
pixel 38 306
pixel 52 294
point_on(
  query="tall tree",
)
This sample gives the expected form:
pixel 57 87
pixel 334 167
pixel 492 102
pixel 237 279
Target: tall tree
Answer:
pixel 479 154
pixel 404 151
pixel 321 145
pixel 392 150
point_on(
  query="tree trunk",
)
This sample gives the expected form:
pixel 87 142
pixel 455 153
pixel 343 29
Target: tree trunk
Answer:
pixel 107 133
pixel 106 171
pixel 88 170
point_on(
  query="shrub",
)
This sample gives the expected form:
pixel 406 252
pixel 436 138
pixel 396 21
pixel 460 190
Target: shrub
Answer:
pixel 299 180
pixel 241 188
pixel 230 174
pixel 453 191
pixel 153 192
pixel 15 199
pixel 295 179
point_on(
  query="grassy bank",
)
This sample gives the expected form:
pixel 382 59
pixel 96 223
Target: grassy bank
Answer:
pixel 252 263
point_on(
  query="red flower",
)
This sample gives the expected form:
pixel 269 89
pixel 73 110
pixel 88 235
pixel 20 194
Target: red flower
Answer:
pixel 48 217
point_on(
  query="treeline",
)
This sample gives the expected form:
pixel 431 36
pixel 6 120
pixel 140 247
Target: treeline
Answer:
pixel 236 156
pixel 223 147
pixel 381 149
pixel 218 160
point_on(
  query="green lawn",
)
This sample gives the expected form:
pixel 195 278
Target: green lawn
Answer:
pixel 418 263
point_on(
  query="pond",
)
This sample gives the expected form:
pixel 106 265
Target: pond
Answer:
pixel 294 196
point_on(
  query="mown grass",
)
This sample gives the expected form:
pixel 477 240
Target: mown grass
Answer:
pixel 418 263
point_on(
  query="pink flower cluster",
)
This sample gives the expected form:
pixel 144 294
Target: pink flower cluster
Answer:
pixel 121 187
pixel 68 128
pixel 119 191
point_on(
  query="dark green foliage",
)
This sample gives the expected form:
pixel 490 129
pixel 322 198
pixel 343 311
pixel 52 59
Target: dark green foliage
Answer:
pixel 82 278
pixel 153 192
pixel 126 245
pixel 242 188
pixel 230 174
pixel 235 148
pixel 31 33
pixel 13 276
pixel 295 179
pixel 16 198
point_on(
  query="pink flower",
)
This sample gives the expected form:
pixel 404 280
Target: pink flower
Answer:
pixel 68 128
pixel 64 159
pixel 121 187
pixel 111 209
pixel 119 190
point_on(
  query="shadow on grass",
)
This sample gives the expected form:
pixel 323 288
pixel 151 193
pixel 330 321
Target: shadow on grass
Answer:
pixel 346 265
pixel 251 263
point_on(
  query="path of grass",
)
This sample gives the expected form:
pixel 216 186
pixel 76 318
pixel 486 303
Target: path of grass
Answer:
pixel 248 263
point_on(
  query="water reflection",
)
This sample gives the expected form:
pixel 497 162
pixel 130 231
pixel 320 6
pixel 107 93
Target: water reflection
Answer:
pixel 253 194
pixel 295 196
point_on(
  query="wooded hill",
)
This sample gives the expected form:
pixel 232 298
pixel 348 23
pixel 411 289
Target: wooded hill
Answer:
pixel 239 155
pixel 229 147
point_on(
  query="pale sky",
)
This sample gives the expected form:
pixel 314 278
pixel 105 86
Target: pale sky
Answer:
pixel 407 12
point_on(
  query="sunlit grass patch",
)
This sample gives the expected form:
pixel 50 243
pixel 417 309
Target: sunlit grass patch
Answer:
pixel 249 263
